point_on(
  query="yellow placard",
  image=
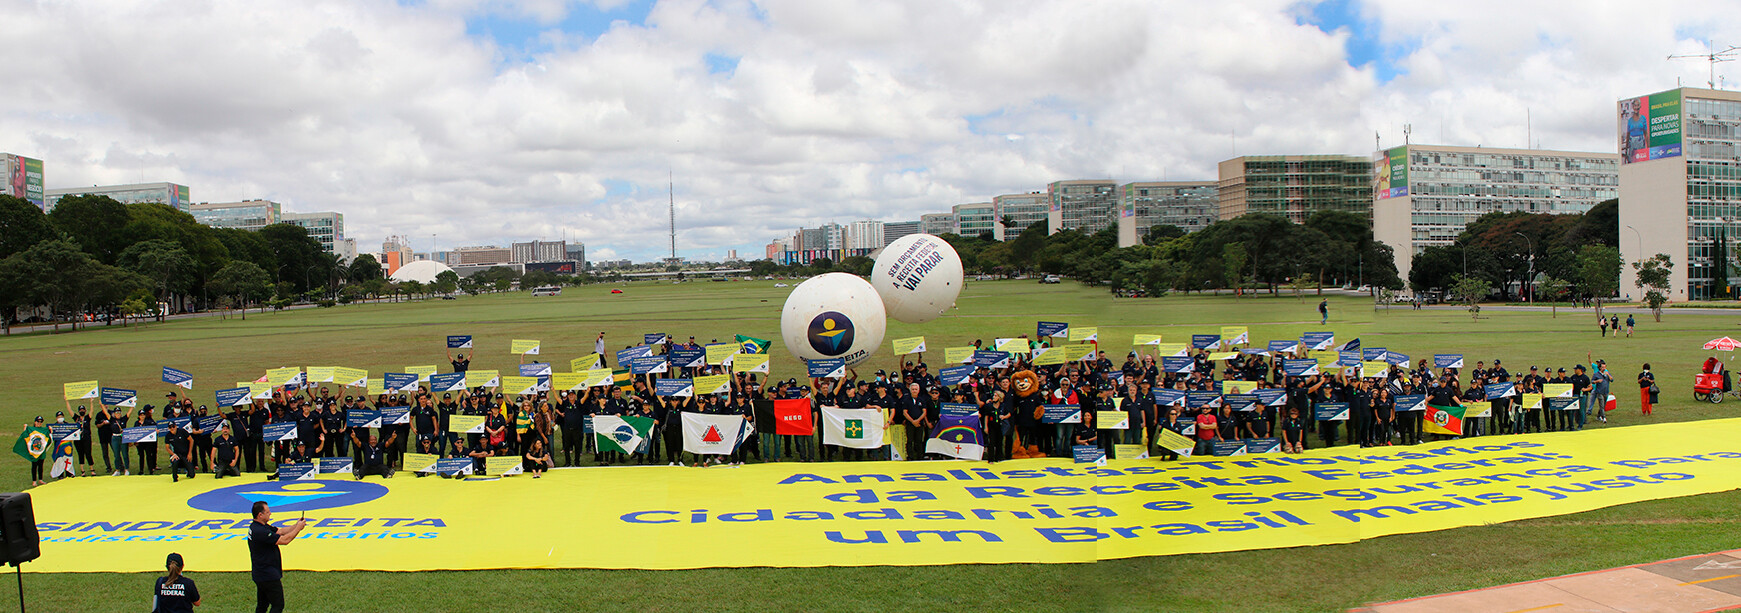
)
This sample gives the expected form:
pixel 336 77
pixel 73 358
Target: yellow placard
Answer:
pixel 281 376
pixel 1012 345
pixel 564 381
pixel 502 465
pixel 1235 335
pixel 1084 334
pixel 422 372
pixel 376 387
pixel 1173 441
pixel 717 354
pixel 483 378
pixel 1050 357
pixel 1531 401
pixel 420 462
pixel 1222 355
pixel 466 424
pixel 1145 339
pixel 750 362
pixel 1477 408
pixel 321 374
pixel 600 377
pixel 513 384
pixel 1324 358
pixel 1162 507
pixel 1077 353
pixel 712 384
pixel 1130 452
pixel 1237 387
pixel 350 377
pixel 586 362
pixel 79 390
pixel 904 346
pixel 258 391
pixel 1557 390
pixel 1111 420
pixel 1172 350
pixel 958 355
pixel 523 347
pixel 1374 368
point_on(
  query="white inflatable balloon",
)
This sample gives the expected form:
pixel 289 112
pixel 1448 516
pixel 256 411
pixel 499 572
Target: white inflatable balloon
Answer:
pixel 836 315
pixel 918 277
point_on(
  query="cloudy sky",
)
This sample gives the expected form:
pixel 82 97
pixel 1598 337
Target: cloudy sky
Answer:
pixel 468 122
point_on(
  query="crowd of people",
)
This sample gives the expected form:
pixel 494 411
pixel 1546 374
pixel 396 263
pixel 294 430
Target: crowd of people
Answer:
pixel 550 429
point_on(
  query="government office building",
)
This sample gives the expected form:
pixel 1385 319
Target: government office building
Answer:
pixel 1680 187
pixel 1425 195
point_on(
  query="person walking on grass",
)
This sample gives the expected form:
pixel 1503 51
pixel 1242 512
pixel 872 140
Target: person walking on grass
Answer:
pixel 1323 311
pixel 1629 324
pixel 1602 323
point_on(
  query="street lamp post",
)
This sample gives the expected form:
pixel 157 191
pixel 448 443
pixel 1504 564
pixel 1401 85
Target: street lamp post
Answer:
pixel 1529 245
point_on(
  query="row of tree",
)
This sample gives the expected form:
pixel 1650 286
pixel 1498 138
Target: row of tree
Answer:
pixel 95 257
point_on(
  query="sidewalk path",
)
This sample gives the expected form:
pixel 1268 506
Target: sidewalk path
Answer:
pixel 1702 583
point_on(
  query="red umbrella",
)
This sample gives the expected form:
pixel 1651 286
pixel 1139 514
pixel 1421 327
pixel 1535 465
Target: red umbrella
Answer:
pixel 1723 344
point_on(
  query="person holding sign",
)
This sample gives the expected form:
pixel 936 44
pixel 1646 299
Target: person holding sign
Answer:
pixel 1293 432
pixel 109 437
pixel 147 451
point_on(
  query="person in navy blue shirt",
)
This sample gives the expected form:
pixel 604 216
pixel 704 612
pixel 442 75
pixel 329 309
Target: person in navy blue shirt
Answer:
pixel 265 560
pixel 174 593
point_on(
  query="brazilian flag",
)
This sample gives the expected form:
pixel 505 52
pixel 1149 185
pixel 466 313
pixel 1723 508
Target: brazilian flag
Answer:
pixel 752 344
pixel 621 378
pixel 1443 420
pixel 32 443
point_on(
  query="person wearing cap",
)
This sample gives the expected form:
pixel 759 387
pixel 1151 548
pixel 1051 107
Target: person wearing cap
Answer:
pixel 460 363
pixel 180 445
pixel 224 453
pixel 147 451
pixel 1558 421
pixel 332 426
pixel 446 409
pixel 174 593
pixel 1580 389
pixel 1531 417
pixel 36 465
pixel 108 425
pixel 82 447
pixel 1601 381
pixel 253 438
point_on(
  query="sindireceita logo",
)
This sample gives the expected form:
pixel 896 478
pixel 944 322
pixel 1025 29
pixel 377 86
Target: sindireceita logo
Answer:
pixel 830 333
pixel 287 496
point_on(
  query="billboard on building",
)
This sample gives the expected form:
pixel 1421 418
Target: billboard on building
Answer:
pixel 561 267
pixel 1650 127
pixel 1390 173
pixel 178 199
pixel 23 178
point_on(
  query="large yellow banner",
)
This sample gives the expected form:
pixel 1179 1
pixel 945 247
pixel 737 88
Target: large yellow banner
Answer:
pixel 887 513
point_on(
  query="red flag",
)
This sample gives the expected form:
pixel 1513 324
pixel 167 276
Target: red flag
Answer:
pixel 793 417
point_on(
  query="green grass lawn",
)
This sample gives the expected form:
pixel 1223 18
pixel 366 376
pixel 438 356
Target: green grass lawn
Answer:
pixel 384 337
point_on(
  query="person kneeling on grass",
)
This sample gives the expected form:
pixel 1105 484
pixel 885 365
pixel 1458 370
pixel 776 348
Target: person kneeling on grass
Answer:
pixel 537 459
pixel 374 456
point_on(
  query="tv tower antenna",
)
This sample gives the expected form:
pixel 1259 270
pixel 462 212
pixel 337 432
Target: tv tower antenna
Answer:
pixel 1712 59
pixel 671 193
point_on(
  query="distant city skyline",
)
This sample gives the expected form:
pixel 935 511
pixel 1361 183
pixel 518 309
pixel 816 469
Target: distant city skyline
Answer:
pixel 502 122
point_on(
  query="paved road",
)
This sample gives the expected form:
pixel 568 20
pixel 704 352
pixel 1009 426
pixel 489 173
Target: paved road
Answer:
pixel 24 329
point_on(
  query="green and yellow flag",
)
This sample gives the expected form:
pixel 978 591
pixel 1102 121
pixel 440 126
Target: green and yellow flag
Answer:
pixel 751 344
pixel 32 443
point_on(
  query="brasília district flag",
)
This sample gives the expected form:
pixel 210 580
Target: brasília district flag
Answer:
pixel 1443 420
pixel 752 344
pixel 957 436
pixel 618 433
pixel 855 428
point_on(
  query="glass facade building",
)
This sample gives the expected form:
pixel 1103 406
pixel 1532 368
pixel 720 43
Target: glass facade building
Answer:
pixel 1190 205
pixel 1680 189
pixel 1294 186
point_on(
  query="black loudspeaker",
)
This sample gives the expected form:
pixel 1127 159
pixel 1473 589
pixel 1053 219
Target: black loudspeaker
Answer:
pixel 19 542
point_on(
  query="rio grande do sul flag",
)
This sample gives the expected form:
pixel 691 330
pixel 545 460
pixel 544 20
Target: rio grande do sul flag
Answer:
pixel 1443 420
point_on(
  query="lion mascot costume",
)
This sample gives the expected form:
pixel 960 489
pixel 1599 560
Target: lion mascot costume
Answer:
pixel 1026 385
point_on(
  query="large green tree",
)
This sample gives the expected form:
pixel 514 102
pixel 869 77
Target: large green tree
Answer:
pixel 96 223
pixel 165 264
pixel 243 281
pixel 22 225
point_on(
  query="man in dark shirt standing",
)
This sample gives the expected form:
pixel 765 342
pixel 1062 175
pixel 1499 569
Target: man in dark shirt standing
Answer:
pixel 263 543
pixel 1581 390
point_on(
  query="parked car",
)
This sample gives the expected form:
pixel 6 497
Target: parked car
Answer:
pixel 1051 279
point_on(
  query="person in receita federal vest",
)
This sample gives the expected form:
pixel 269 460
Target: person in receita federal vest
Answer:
pixel 174 593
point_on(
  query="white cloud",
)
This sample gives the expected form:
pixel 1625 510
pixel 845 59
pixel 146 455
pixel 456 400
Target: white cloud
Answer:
pixel 837 110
